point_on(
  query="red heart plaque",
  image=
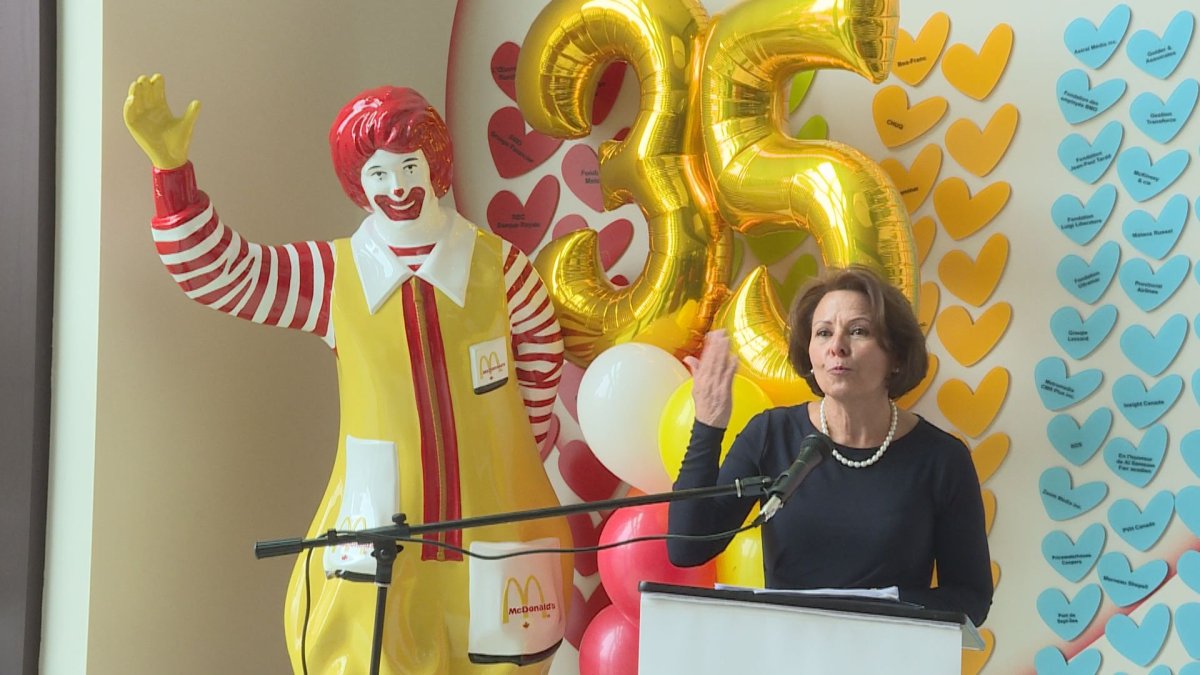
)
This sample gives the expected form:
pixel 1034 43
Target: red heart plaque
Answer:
pixel 516 152
pixel 524 223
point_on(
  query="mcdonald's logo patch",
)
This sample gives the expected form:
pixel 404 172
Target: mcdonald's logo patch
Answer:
pixel 527 605
pixel 352 523
pixel 489 365
pixel 346 551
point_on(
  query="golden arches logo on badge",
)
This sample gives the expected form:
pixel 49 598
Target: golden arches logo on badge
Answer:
pixel 709 153
pixel 524 608
pixel 352 524
pixel 349 523
pixel 489 365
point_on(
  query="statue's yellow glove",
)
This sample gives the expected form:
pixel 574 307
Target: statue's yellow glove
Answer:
pixel 163 137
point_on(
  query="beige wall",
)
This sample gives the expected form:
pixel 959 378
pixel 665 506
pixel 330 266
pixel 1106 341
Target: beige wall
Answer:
pixel 211 433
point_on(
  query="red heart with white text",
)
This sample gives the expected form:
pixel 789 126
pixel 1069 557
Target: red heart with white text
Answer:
pixel 581 173
pixel 504 68
pixel 515 151
pixel 524 224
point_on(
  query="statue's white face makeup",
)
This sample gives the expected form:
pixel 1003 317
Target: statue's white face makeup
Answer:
pixel 398 186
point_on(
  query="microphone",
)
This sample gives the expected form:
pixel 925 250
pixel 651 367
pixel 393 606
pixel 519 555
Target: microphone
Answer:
pixel 807 459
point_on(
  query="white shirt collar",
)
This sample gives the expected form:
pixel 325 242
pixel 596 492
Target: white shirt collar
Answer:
pixel 448 266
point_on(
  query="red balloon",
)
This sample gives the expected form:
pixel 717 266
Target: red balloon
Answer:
pixel 609 645
pixel 624 567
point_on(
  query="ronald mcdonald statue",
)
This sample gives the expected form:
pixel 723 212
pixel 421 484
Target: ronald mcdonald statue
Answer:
pixel 448 359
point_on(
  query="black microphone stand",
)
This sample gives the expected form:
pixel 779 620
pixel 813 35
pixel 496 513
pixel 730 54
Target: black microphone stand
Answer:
pixel 385 547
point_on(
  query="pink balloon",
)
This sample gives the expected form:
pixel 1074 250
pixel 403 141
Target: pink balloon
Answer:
pixel 609 645
pixel 624 567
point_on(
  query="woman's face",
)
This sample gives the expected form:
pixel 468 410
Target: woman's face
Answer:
pixel 848 361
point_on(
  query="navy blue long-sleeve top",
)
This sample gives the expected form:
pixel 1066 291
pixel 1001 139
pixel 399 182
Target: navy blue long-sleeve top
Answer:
pixel 873 527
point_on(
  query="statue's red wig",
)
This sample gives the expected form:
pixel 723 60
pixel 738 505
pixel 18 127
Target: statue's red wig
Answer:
pixel 396 119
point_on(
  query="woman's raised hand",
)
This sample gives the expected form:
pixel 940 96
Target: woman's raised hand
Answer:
pixel 712 380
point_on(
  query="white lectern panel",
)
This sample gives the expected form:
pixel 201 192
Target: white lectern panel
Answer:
pixel 683 633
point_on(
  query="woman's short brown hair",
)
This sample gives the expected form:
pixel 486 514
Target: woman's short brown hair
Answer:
pixel 895 326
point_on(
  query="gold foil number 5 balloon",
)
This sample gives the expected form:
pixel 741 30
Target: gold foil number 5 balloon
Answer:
pixel 765 180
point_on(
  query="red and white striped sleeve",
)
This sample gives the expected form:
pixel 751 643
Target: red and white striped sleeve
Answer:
pixel 536 338
pixel 287 286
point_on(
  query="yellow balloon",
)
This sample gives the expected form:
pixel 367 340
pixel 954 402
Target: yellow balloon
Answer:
pixel 659 166
pixel 741 563
pixel 758 334
pixel 675 425
pixel 766 180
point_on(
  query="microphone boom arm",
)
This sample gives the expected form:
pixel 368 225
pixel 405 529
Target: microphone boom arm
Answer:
pixel 754 486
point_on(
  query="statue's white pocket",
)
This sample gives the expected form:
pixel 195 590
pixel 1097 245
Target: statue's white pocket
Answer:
pixel 516 604
pixel 369 499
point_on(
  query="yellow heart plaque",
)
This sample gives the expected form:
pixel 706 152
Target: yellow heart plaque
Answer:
pixel 973 411
pixel 980 151
pixel 976 74
pixel 989 508
pixel 989 454
pixel 967 340
pixel 973 661
pixel 974 281
pixel 924 231
pixel 915 58
pixel 898 123
pixel 915 181
pixel 963 214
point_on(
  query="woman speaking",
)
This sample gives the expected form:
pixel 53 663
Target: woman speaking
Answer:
pixel 896 496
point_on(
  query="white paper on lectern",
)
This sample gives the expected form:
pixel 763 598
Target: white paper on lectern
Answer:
pixel 971 639
pixel 889 593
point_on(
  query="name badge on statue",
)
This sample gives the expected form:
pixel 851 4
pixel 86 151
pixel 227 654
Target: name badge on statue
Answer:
pixel 369 500
pixel 489 365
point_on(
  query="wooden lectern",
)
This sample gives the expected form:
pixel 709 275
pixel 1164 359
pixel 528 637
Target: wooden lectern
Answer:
pixel 700 631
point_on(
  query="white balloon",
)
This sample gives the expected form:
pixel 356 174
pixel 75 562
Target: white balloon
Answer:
pixel 621 398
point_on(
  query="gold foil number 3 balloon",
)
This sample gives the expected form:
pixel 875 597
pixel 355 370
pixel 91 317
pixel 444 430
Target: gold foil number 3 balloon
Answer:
pixel 709 138
pixel 658 165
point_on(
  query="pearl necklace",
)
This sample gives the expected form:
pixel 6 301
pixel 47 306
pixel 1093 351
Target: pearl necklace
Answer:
pixel 878 453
